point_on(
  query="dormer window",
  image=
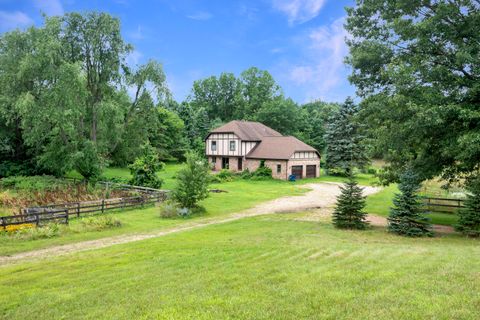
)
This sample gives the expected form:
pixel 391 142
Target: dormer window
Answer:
pixel 214 146
pixel 232 145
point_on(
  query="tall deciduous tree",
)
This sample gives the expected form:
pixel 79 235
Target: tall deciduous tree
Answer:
pixel 64 84
pixel 417 64
pixel 345 143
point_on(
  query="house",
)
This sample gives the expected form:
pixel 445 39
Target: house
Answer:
pixel 241 145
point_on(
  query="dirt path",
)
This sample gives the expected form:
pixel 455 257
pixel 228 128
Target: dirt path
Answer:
pixel 322 196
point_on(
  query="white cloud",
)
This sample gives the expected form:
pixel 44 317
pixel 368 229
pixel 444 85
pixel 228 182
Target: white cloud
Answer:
pixel 321 72
pixel 50 7
pixel 200 15
pixel 299 11
pixel 12 20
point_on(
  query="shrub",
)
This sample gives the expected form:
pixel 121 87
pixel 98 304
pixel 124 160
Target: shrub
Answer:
pixel 144 169
pixel 48 231
pixel 168 209
pixel 246 174
pixel 225 175
pixel 99 223
pixel 214 179
pixel 192 182
pixel 262 172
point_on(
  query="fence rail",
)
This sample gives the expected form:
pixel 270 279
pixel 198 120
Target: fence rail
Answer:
pixel 62 211
pixel 448 205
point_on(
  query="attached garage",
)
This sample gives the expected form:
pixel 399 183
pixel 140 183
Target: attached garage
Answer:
pixel 297 171
pixel 311 171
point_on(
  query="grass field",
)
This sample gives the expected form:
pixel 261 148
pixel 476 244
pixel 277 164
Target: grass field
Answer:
pixel 240 195
pixel 271 267
pixel 381 202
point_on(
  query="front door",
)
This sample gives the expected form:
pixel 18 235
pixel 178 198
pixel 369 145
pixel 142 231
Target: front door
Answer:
pixel 225 163
pixel 311 171
pixel 240 164
pixel 297 171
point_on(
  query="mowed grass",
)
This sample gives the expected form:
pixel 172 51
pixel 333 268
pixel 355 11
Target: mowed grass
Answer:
pixel 381 202
pixel 270 267
pixel 239 195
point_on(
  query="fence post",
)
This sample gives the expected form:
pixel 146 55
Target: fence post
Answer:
pixel 66 216
pixel 123 203
pixel 103 205
pixel 37 222
pixel 4 224
pixel 78 209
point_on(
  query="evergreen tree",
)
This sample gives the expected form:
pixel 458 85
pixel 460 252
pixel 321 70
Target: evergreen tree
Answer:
pixel 345 143
pixel 469 222
pixel 406 217
pixel 348 212
pixel 192 181
pixel 144 169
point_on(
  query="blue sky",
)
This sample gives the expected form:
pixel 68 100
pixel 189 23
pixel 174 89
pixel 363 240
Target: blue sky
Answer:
pixel 300 42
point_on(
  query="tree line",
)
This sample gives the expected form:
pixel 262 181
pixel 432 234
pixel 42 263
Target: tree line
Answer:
pixel 69 100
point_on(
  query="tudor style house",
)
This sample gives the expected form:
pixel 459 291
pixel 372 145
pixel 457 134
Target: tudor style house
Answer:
pixel 241 145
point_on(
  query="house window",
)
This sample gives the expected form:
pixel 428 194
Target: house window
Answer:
pixel 232 145
pixel 214 146
pixel 214 160
pixel 279 168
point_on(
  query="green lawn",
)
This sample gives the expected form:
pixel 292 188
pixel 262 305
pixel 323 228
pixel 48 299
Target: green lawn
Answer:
pixel 167 174
pixel 270 267
pixel 380 203
pixel 240 195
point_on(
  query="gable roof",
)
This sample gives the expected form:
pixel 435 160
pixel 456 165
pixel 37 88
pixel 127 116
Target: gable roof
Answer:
pixel 278 148
pixel 247 130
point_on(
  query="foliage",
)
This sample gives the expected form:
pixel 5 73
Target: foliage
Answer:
pixel 280 114
pixel 32 183
pixel 262 172
pixel 64 86
pixel 168 209
pixel 144 169
pixel 417 66
pixel 17 227
pixel 406 217
pixel 98 223
pixel 345 143
pixel 348 213
pixel 225 175
pixel 469 222
pixel 88 163
pixel 47 231
pixel 192 181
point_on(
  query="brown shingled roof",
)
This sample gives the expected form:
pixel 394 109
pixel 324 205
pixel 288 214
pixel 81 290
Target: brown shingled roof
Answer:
pixel 247 130
pixel 278 148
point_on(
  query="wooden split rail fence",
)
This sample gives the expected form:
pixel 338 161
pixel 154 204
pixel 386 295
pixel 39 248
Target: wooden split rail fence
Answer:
pixel 447 205
pixel 62 211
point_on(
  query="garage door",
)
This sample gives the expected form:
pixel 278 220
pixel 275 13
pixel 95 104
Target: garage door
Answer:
pixel 312 171
pixel 297 171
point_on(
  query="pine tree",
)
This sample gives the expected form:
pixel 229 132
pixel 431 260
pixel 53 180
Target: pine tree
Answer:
pixel 406 217
pixel 348 212
pixel 469 222
pixel 345 143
